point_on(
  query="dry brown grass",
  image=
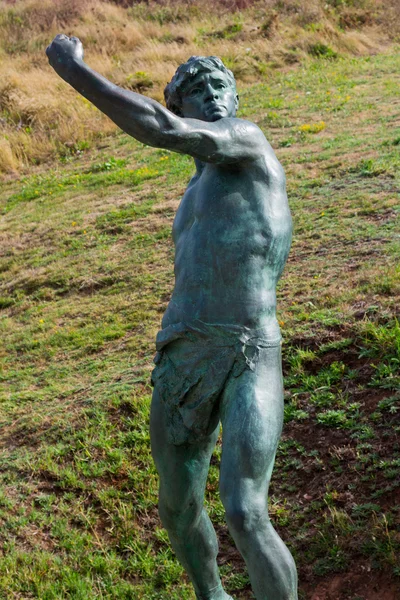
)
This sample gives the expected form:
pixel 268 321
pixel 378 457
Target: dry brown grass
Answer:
pixel 139 46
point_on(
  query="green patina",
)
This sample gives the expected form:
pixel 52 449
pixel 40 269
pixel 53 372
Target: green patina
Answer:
pixel 232 235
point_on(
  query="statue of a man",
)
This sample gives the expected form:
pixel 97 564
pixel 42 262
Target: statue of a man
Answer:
pixel 219 350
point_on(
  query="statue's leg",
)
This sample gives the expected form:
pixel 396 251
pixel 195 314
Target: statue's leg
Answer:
pixel 252 417
pixel 183 474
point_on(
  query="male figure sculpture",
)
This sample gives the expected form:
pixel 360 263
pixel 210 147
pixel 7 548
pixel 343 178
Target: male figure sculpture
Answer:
pixel 219 350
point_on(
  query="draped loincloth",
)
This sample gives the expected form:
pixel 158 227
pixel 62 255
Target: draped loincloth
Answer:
pixel 194 361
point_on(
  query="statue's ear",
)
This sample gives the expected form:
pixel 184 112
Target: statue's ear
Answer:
pixel 177 110
pixel 237 102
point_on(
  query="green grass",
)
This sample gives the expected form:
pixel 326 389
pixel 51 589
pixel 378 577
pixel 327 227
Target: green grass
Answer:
pixel 86 272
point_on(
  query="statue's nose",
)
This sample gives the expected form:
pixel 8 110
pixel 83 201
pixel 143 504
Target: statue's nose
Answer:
pixel 210 93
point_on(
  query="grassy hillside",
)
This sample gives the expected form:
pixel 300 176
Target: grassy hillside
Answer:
pixel 139 44
pixel 85 274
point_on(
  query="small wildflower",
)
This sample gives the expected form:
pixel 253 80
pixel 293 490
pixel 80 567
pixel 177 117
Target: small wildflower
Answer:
pixel 322 214
pixel 312 127
pixel 281 323
pixel 41 320
pixel 84 231
pixel 73 223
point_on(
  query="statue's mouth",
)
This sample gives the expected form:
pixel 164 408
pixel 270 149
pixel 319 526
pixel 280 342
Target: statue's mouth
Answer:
pixel 215 107
pixel 214 112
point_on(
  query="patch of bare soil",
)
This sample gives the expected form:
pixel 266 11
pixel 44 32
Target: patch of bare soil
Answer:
pixel 359 583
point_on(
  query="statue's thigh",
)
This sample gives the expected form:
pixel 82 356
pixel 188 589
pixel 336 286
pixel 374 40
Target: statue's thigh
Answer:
pixel 252 418
pixel 182 469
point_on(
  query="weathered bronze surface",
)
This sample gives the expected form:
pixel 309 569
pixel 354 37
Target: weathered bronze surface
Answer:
pixel 219 350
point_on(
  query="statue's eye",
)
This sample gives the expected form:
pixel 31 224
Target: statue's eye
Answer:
pixel 194 91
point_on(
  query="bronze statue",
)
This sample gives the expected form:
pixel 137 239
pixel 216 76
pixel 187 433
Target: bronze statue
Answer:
pixel 219 350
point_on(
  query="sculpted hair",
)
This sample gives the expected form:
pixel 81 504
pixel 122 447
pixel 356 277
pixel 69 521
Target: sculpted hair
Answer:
pixel 186 72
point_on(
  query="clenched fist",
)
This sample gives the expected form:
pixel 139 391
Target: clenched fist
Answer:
pixel 62 51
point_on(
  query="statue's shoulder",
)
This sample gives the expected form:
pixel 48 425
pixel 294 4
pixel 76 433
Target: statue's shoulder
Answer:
pixel 251 132
pixel 246 127
pixel 236 140
pixel 246 133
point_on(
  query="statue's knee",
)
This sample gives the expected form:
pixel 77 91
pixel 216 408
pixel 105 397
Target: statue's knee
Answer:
pixel 244 517
pixel 177 520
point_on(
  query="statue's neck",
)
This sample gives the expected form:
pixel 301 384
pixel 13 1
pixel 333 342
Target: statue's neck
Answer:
pixel 199 166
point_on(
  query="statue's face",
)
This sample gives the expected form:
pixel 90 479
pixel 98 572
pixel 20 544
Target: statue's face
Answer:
pixel 209 97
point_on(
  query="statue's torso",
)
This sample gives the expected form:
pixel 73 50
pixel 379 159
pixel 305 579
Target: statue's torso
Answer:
pixel 232 235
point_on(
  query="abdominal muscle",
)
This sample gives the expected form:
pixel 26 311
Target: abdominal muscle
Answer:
pixel 187 310
pixel 222 283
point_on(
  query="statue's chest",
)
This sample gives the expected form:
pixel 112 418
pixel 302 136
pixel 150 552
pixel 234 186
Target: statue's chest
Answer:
pixel 208 206
pixel 219 191
pixel 217 204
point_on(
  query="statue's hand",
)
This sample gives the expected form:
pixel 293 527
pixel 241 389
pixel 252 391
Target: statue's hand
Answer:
pixel 62 51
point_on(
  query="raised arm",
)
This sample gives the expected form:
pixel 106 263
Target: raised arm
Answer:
pixel 228 140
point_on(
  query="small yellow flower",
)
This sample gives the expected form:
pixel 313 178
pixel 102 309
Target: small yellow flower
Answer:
pixel 313 127
pixel 322 214
pixel 281 323
pixel 73 223
pixel 84 231
pixel 41 320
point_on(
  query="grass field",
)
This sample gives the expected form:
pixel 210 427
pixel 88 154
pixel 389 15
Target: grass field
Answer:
pixel 86 272
pixel 139 44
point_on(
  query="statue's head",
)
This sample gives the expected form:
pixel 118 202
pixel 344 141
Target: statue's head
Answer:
pixel 202 88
